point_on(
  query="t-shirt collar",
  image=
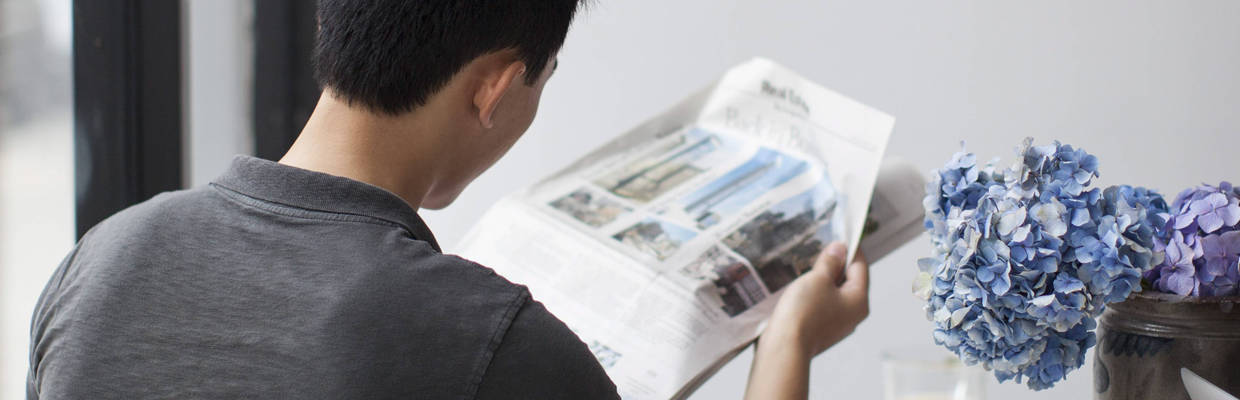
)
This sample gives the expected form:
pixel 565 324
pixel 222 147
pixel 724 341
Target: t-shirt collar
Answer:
pixel 292 186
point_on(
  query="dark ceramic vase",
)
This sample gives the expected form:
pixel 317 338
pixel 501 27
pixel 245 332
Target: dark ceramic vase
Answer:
pixel 1145 340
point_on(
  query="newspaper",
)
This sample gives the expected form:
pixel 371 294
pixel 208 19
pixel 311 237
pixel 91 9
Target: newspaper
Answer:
pixel 666 249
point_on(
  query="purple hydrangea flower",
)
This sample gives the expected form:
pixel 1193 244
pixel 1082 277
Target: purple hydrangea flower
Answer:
pixel 1221 252
pixel 1177 271
pixel 1215 211
pixel 1201 243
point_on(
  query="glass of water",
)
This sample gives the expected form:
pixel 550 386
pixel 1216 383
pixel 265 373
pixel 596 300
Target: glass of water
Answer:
pixel 930 373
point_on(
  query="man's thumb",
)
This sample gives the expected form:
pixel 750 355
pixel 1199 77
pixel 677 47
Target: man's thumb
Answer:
pixel 831 261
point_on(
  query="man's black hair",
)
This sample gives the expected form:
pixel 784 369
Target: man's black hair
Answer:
pixel 391 56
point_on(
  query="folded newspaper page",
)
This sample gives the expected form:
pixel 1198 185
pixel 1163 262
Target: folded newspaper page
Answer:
pixel 666 249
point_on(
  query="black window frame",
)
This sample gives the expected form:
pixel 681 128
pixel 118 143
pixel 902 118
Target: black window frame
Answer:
pixel 127 104
pixel 285 91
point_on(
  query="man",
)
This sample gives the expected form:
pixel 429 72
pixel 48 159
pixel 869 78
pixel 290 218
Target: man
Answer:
pixel 314 277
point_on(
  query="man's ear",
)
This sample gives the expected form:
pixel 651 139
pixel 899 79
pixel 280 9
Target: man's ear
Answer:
pixel 492 90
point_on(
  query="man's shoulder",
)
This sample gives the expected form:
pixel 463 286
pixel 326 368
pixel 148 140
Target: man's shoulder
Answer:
pixel 161 210
pixel 416 265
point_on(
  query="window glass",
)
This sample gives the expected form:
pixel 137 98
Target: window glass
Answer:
pixel 36 168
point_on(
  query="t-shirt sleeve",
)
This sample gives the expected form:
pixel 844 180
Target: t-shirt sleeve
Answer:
pixel 540 358
pixel 39 322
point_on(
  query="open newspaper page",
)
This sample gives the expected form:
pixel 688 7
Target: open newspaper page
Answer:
pixel 666 249
pixel 896 215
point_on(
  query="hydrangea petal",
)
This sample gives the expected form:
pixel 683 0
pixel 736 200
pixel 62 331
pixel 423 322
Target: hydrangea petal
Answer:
pixel 1181 284
pixel 1230 212
pixel 922 287
pixel 1210 221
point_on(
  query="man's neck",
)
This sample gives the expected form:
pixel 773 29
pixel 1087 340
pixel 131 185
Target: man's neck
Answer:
pixel 380 150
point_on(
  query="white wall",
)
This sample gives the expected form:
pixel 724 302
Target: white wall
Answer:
pixel 36 230
pixel 219 85
pixel 1152 88
pixel 36 169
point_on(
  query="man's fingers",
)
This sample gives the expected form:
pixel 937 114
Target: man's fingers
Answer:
pixel 858 273
pixel 831 261
pixel 856 290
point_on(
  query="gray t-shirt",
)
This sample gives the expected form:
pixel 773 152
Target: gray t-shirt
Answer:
pixel 277 282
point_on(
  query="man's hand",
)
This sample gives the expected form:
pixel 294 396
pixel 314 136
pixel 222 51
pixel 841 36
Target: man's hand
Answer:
pixel 824 305
pixel 817 310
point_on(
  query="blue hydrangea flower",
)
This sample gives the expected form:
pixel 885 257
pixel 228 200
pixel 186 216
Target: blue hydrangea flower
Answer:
pixel 1025 259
